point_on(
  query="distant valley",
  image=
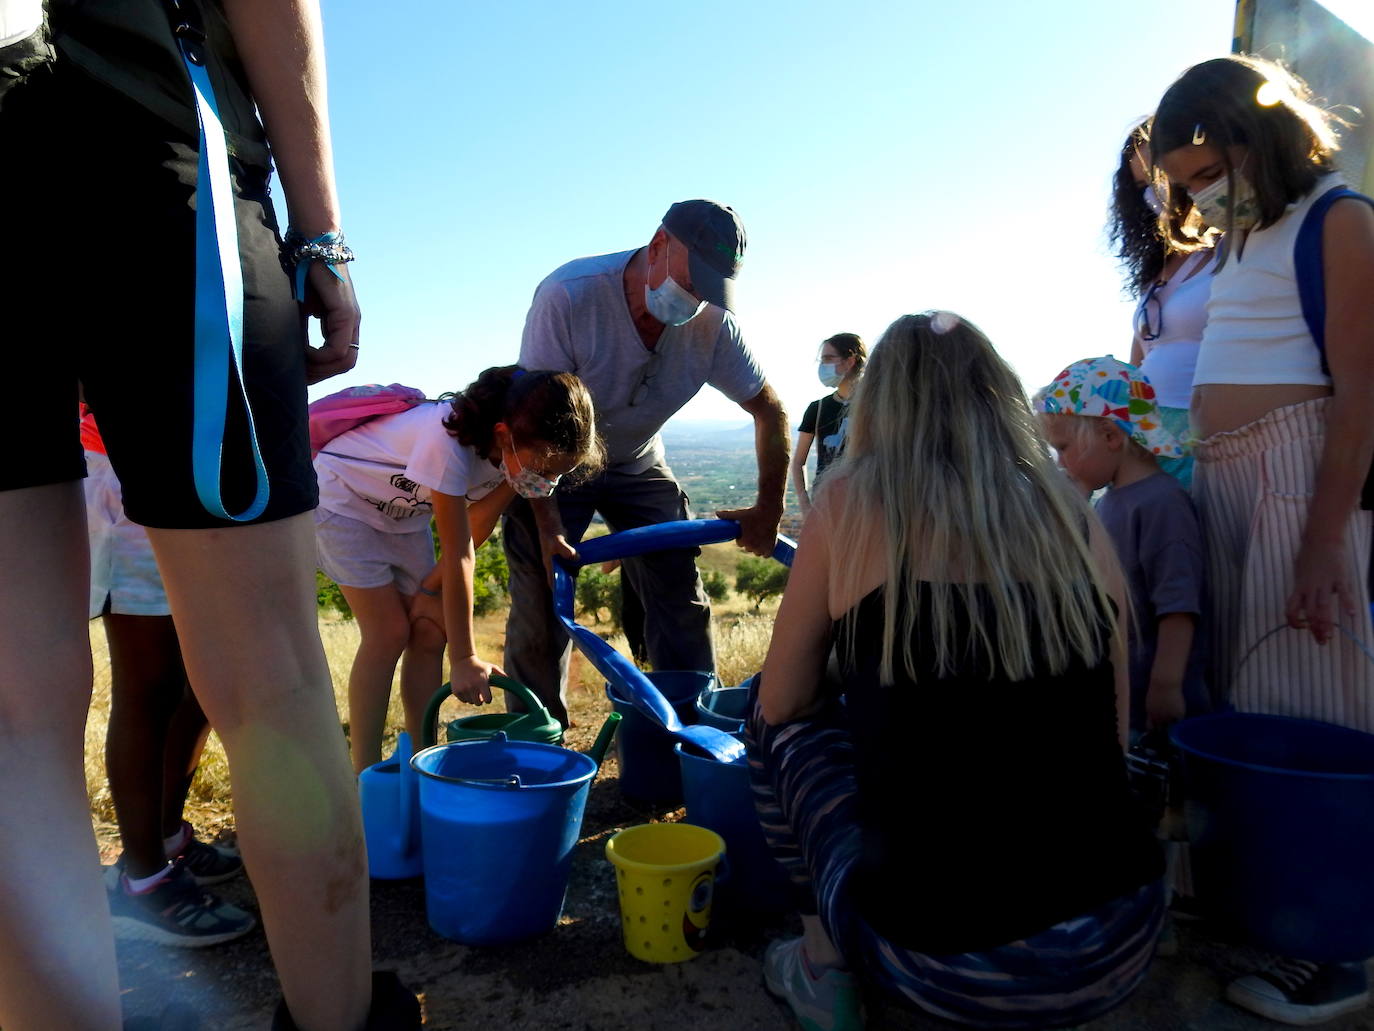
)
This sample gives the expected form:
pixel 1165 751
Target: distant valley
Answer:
pixel 716 465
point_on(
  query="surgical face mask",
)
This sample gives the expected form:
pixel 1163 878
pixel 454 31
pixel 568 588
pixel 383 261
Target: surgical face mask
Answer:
pixel 528 483
pixel 830 376
pixel 1222 210
pixel 1151 199
pixel 671 304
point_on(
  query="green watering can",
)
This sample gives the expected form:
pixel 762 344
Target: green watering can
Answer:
pixel 535 724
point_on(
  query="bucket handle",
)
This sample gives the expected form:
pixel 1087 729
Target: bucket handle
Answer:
pixel 1284 626
pixel 531 702
pixel 513 781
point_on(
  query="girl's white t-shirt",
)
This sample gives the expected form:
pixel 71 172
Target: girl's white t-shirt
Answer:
pixel 1171 357
pixel 382 473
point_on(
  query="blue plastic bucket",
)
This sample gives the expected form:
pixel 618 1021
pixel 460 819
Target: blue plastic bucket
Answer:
pixel 499 820
pixel 1281 814
pixel 648 768
pixel 723 707
pixel 719 797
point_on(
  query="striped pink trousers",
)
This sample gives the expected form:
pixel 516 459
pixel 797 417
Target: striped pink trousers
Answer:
pixel 1253 487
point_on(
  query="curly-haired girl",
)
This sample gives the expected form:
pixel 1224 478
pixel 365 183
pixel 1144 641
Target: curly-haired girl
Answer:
pixel 511 432
pixel 1165 256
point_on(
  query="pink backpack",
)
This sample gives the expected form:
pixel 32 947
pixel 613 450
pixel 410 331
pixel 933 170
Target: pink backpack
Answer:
pixel 353 406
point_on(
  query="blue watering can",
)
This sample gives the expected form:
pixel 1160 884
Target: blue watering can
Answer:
pixel 627 679
pixel 391 815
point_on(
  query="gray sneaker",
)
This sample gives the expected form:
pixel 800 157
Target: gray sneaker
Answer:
pixel 1301 993
pixel 177 912
pixel 210 864
pixel 829 1002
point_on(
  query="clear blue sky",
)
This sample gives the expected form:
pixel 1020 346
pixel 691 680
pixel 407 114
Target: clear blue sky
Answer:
pixel 886 157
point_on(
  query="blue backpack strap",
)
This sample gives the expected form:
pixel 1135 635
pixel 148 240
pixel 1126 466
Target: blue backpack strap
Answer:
pixel 1307 264
pixel 219 289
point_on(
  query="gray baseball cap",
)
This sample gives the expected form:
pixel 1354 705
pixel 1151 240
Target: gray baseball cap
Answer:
pixel 715 241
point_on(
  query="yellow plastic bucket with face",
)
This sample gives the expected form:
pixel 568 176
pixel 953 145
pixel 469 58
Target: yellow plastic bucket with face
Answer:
pixel 666 875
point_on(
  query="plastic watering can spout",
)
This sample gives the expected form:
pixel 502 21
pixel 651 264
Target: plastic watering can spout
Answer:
pixel 603 739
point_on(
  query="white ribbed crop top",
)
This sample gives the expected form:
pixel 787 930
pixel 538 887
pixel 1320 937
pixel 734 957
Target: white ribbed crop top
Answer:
pixel 1255 330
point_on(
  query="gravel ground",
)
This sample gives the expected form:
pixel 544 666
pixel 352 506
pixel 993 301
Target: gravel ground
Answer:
pixel 579 976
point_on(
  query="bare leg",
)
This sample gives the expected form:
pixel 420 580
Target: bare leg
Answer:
pixel 185 741
pixel 385 629
pixel 57 960
pixel 422 673
pixel 252 650
pixel 147 686
pixel 819 948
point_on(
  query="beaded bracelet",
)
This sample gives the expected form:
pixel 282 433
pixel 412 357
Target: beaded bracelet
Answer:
pixel 297 253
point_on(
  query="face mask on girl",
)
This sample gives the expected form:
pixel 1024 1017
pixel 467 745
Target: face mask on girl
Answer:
pixel 1222 210
pixel 527 483
pixel 1151 199
pixel 670 304
pixel 829 374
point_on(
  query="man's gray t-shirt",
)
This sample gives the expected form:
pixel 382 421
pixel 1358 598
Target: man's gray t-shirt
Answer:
pixel 579 322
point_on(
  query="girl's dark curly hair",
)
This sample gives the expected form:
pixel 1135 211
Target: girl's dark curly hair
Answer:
pixel 1131 226
pixel 548 410
pixel 1141 239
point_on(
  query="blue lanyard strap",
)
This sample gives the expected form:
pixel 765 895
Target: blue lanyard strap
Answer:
pixel 219 301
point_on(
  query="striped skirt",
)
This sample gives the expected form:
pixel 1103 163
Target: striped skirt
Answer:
pixel 1253 487
pixel 805 793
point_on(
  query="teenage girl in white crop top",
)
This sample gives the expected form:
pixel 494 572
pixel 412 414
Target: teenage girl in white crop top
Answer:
pixel 1168 275
pixel 1283 448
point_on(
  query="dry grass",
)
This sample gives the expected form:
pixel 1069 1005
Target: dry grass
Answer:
pixel 741 643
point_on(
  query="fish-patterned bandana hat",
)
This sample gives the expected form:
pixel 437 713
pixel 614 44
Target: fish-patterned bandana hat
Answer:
pixel 1112 390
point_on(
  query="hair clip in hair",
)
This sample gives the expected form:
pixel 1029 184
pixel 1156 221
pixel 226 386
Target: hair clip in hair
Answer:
pixel 1269 94
pixel 1199 135
pixel 941 322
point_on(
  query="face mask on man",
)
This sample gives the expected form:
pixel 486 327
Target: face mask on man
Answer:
pixel 830 375
pixel 1223 210
pixel 670 303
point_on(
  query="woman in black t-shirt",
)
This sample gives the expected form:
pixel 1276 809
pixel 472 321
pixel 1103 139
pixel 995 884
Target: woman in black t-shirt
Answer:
pixel 827 420
pixel 960 828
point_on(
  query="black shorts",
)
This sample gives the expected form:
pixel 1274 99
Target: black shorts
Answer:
pixel 99 201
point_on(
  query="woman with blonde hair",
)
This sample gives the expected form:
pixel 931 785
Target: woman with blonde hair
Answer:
pixel 963 818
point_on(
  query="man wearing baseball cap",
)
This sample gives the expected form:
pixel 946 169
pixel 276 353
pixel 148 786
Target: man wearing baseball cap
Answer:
pixel 645 329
